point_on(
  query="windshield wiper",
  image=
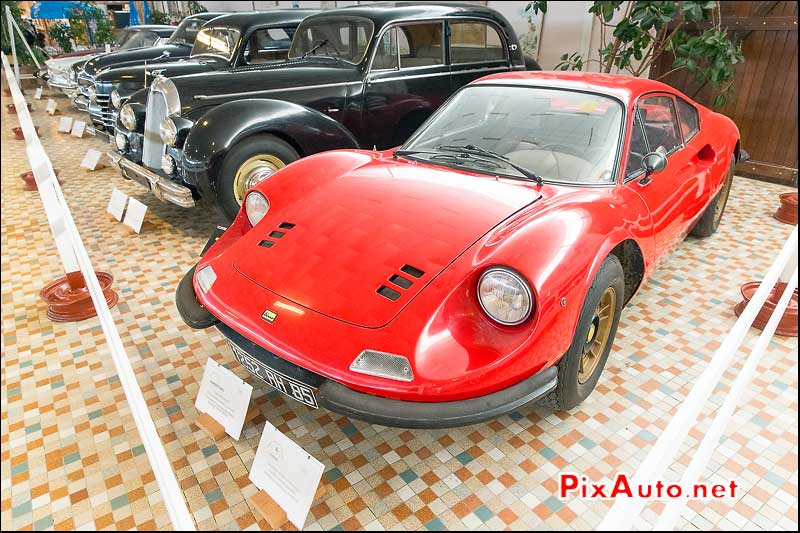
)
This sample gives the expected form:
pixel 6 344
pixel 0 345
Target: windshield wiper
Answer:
pixel 477 150
pixel 314 48
pixel 452 154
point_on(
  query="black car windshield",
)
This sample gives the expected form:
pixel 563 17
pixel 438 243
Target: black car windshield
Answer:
pixel 216 41
pixel 345 38
pixel 187 31
pixel 559 135
pixel 136 39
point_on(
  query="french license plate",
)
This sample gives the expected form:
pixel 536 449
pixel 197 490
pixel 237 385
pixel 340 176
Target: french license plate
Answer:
pixel 290 387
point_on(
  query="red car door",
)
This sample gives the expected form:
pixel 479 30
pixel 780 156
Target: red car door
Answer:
pixel 676 194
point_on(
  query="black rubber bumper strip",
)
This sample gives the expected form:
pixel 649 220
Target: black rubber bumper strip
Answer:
pixel 434 415
pixel 191 310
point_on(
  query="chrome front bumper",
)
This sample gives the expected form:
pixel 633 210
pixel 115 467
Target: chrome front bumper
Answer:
pixel 164 189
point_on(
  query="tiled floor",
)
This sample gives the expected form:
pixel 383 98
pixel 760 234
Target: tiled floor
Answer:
pixel 71 456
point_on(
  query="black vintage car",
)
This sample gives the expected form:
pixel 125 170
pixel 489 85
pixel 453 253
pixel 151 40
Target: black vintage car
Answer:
pixel 228 41
pixel 361 76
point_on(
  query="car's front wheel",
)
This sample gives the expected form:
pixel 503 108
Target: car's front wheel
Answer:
pixel 581 366
pixel 248 163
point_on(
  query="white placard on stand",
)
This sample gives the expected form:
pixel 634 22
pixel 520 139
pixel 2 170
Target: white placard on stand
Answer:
pixel 91 159
pixel 116 205
pixel 287 473
pixel 223 395
pixel 38 94
pixel 65 124
pixel 51 106
pixel 134 215
pixel 78 128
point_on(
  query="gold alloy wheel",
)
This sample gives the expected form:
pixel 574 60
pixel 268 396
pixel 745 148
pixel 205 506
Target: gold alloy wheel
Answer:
pixel 256 169
pixel 598 336
pixel 722 197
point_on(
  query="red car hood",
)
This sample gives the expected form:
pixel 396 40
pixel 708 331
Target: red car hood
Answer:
pixel 358 220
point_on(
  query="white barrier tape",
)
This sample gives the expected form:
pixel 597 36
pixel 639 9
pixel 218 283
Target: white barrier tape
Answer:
pixel 672 511
pixel 62 224
pixel 624 511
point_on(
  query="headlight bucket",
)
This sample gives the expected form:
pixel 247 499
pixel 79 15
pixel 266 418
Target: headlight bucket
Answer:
pixel 116 99
pixel 127 116
pixel 168 165
pixel 505 296
pixel 121 141
pixel 256 207
pixel 168 131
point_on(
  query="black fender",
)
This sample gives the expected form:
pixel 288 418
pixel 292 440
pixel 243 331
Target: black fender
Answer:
pixel 222 127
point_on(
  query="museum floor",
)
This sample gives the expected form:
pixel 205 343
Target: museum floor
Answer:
pixel 72 458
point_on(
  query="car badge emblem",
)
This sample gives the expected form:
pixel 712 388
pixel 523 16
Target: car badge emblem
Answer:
pixel 269 315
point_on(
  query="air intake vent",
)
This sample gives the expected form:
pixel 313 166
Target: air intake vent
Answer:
pixel 286 225
pixel 414 272
pixel 267 244
pixel 386 292
pixel 401 282
pixel 276 234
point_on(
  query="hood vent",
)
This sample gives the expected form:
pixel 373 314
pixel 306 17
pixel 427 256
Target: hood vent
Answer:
pixel 389 293
pixel 400 282
pixel 275 234
pixel 412 271
pixel 266 243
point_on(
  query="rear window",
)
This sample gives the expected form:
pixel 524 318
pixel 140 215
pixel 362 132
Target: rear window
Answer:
pixel 687 114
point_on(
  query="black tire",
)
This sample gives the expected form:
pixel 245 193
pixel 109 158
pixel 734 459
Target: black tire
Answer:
pixel 708 224
pixel 569 391
pixel 250 147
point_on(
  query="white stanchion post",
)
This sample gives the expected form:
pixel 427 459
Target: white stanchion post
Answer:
pixel 623 513
pixel 63 226
pixel 710 442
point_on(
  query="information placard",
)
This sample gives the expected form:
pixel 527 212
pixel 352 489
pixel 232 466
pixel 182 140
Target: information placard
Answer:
pixel 116 205
pixel 223 395
pixel 38 94
pixel 65 124
pixel 51 106
pixel 134 215
pixel 78 128
pixel 91 159
pixel 286 472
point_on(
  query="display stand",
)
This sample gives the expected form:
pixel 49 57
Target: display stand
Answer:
pixel 274 513
pixel 214 429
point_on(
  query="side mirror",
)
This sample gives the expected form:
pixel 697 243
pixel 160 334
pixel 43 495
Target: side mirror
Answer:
pixel 654 162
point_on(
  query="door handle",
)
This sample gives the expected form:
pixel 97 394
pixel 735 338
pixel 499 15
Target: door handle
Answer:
pixel 645 180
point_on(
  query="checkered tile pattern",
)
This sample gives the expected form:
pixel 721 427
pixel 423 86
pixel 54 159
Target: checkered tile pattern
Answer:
pixel 72 458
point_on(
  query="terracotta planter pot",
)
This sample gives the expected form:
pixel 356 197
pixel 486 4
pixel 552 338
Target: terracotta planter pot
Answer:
pixel 787 212
pixel 30 180
pixel 18 135
pixel 787 327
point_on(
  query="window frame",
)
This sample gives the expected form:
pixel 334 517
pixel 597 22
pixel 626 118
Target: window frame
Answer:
pixel 398 24
pixel 695 131
pixel 243 42
pixel 642 97
pixel 473 20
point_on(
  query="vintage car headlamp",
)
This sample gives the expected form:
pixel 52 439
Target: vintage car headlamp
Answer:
pixel 121 141
pixel 168 164
pixel 127 116
pixel 206 278
pixel 256 207
pixel 505 296
pixel 168 132
pixel 91 92
pixel 116 99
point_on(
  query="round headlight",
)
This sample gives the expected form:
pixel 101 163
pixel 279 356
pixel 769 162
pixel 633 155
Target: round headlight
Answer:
pixel 505 296
pixel 116 99
pixel 127 116
pixel 121 141
pixel 92 93
pixel 168 132
pixel 168 164
pixel 256 207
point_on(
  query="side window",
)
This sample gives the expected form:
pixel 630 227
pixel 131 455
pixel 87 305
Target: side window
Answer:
pixel 638 147
pixel 687 114
pixel 475 42
pixel 267 45
pixel 660 123
pixel 409 46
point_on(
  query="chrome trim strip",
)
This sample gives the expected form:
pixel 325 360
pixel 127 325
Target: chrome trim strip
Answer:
pixel 281 90
pixel 431 74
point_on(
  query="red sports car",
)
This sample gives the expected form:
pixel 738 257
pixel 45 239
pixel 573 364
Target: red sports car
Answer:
pixel 479 267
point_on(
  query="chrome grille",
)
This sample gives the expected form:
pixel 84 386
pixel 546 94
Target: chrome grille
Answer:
pixel 152 147
pixel 102 114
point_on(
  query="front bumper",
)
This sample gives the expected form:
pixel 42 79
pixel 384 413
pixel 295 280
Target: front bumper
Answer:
pixel 164 189
pixel 367 407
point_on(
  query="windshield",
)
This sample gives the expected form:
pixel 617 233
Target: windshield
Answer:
pixel 336 37
pixel 187 31
pixel 218 42
pixel 136 39
pixel 559 135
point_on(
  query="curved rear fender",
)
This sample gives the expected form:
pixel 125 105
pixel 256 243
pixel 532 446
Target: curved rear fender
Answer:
pixel 221 128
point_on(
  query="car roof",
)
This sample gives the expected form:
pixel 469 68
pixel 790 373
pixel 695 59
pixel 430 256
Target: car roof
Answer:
pixel 383 13
pixel 625 88
pixel 205 15
pixel 162 30
pixel 246 20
